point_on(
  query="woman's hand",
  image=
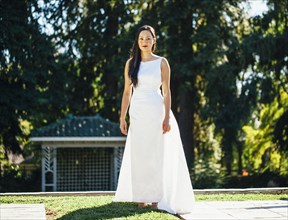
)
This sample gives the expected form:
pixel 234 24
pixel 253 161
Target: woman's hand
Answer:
pixel 123 126
pixel 166 125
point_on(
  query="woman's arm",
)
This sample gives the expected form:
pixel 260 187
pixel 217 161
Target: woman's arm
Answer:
pixel 125 99
pixel 165 74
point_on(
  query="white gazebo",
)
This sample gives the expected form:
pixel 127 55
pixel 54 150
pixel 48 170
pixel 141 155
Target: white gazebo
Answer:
pixel 80 153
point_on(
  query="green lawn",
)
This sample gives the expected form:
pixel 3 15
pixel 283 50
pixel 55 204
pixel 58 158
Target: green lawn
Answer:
pixel 102 207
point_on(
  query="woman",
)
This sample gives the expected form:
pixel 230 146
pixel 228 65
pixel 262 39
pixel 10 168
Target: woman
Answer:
pixel 154 168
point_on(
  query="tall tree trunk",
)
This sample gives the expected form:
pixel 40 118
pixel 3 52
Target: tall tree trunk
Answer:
pixel 239 151
pixel 186 124
pixel 228 152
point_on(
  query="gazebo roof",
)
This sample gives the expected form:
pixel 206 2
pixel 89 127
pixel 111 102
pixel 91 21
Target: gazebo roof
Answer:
pixel 80 126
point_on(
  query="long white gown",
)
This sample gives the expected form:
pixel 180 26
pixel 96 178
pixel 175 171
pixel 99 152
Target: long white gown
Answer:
pixel 154 167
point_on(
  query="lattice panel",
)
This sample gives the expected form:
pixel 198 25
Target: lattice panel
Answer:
pixel 48 168
pixel 49 155
pixel 84 169
pixel 120 151
pixel 118 154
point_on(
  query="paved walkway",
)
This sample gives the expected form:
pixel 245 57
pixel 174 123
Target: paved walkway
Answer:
pixel 245 210
pixel 22 212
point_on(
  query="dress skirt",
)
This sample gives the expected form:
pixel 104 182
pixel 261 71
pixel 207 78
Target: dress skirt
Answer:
pixel 154 167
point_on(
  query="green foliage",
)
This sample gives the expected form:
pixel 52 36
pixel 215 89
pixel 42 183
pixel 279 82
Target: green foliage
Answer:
pixel 207 175
pixel 65 57
pixel 29 74
pixel 281 132
pixel 24 177
pixel 13 179
pixel 255 180
pixel 261 152
pixel 93 36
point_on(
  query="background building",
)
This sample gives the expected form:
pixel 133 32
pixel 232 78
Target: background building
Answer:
pixel 80 154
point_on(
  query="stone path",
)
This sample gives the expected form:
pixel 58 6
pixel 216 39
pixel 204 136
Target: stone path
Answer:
pixel 245 210
pixel 241 210
pixel 22 212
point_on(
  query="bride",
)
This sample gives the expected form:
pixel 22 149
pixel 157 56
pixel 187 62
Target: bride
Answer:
pixel 154 169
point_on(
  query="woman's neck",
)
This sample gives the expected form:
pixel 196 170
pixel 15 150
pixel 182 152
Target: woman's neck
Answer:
pixel 146 56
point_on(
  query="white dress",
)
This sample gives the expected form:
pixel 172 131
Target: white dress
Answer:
pixel 154 167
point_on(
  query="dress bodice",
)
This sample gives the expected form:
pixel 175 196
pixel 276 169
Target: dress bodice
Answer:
pixel 149 75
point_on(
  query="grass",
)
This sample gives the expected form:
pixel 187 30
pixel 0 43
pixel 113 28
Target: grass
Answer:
pixel 102 207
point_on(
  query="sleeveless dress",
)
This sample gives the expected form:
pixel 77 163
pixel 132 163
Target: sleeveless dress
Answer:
pixel 154 167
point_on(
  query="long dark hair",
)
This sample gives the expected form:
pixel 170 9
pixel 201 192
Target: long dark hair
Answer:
pixel 135 54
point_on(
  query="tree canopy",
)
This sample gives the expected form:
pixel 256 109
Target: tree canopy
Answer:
pixel 229 71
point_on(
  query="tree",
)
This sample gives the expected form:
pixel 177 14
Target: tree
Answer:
pixel 261 152
pixel 94 36
pixel 266 46
pixel 194 36
pixel 29 73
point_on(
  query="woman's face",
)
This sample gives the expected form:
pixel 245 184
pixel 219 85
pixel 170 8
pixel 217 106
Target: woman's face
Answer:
pixel 146 41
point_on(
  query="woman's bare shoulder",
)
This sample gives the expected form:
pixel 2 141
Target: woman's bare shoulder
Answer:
pixel 164 62
pixel 128 61
pixel 127 64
